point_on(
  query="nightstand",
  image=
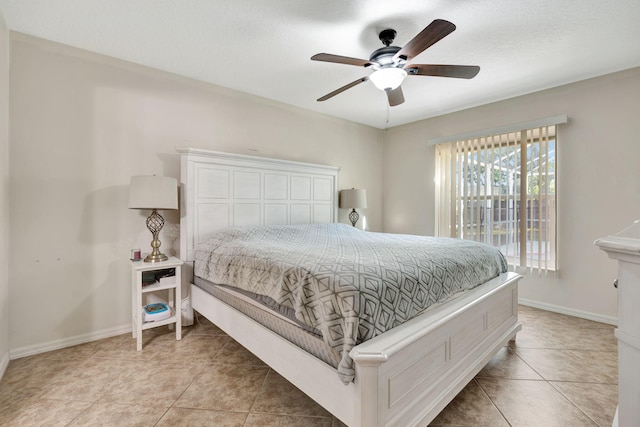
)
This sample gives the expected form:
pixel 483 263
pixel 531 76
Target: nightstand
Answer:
pixel 173 289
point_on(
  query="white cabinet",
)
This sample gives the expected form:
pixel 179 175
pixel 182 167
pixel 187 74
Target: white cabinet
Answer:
pixel 625 247
pixel 173 289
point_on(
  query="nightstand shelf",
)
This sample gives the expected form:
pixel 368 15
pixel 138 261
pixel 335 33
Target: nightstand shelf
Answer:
pixel 157 287
pixel 155 324
pixel 174 297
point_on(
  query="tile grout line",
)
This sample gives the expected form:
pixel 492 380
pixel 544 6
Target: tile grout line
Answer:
pixel 572 402
pixel 493 403
pixel 255 398
pixel 204 365
pixel 547 381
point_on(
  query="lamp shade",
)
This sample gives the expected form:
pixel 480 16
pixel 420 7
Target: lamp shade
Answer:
pixel 355 198
pixel 153 192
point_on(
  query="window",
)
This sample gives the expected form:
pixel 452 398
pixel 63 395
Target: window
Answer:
pixel 501 190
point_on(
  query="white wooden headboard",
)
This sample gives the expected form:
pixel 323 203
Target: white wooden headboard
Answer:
pixel 222 190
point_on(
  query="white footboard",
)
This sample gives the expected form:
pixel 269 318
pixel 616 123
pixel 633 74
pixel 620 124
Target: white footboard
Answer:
pixel 418 368
pixel 404 377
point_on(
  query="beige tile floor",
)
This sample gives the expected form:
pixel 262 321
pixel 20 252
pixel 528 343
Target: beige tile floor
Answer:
pixel 562 371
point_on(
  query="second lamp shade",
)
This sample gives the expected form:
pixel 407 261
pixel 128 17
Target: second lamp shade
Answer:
pixel 355 198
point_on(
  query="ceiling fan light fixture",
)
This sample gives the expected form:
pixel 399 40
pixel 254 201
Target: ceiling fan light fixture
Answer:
pixel 388 78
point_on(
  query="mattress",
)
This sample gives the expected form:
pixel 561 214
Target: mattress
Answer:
pixel 307 339
pixel 348 284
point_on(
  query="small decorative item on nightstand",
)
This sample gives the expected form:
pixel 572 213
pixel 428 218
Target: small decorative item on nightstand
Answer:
pixel 135 255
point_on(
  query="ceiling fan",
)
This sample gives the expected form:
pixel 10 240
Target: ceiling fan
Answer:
pixel 390 62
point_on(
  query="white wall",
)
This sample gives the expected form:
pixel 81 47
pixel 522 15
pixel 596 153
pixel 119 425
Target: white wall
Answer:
pixel 81 125
pixel 4 195
pixel 598 181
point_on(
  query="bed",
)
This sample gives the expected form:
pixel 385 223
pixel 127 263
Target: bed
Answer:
pixel 403 376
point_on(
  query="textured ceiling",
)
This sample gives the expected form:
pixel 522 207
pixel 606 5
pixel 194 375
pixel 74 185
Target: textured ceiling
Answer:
pixel 263 47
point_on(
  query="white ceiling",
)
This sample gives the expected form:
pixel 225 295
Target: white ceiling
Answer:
pixel 263 47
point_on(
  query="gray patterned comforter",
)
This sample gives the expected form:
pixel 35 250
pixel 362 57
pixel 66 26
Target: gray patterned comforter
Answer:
pixel 349 284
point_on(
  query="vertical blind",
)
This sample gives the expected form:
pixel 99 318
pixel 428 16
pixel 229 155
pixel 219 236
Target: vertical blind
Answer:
pixel 501 190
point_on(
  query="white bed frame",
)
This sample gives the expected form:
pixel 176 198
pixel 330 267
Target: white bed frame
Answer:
pixel 404 377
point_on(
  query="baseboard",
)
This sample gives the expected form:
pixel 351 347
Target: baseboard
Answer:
pixel 30 350
pixel 4 362
pixel 569 311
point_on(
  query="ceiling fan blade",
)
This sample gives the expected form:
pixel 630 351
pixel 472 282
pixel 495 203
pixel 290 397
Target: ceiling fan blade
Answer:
pixel 432 34
pixel 458 71
pixel 343 88
pixel 395 96
pixel 327 57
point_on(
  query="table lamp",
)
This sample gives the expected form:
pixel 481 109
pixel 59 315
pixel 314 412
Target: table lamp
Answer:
pixel 153 193
pixel 355 198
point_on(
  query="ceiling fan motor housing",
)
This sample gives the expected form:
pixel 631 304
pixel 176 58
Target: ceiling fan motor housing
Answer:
pixel 384 55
